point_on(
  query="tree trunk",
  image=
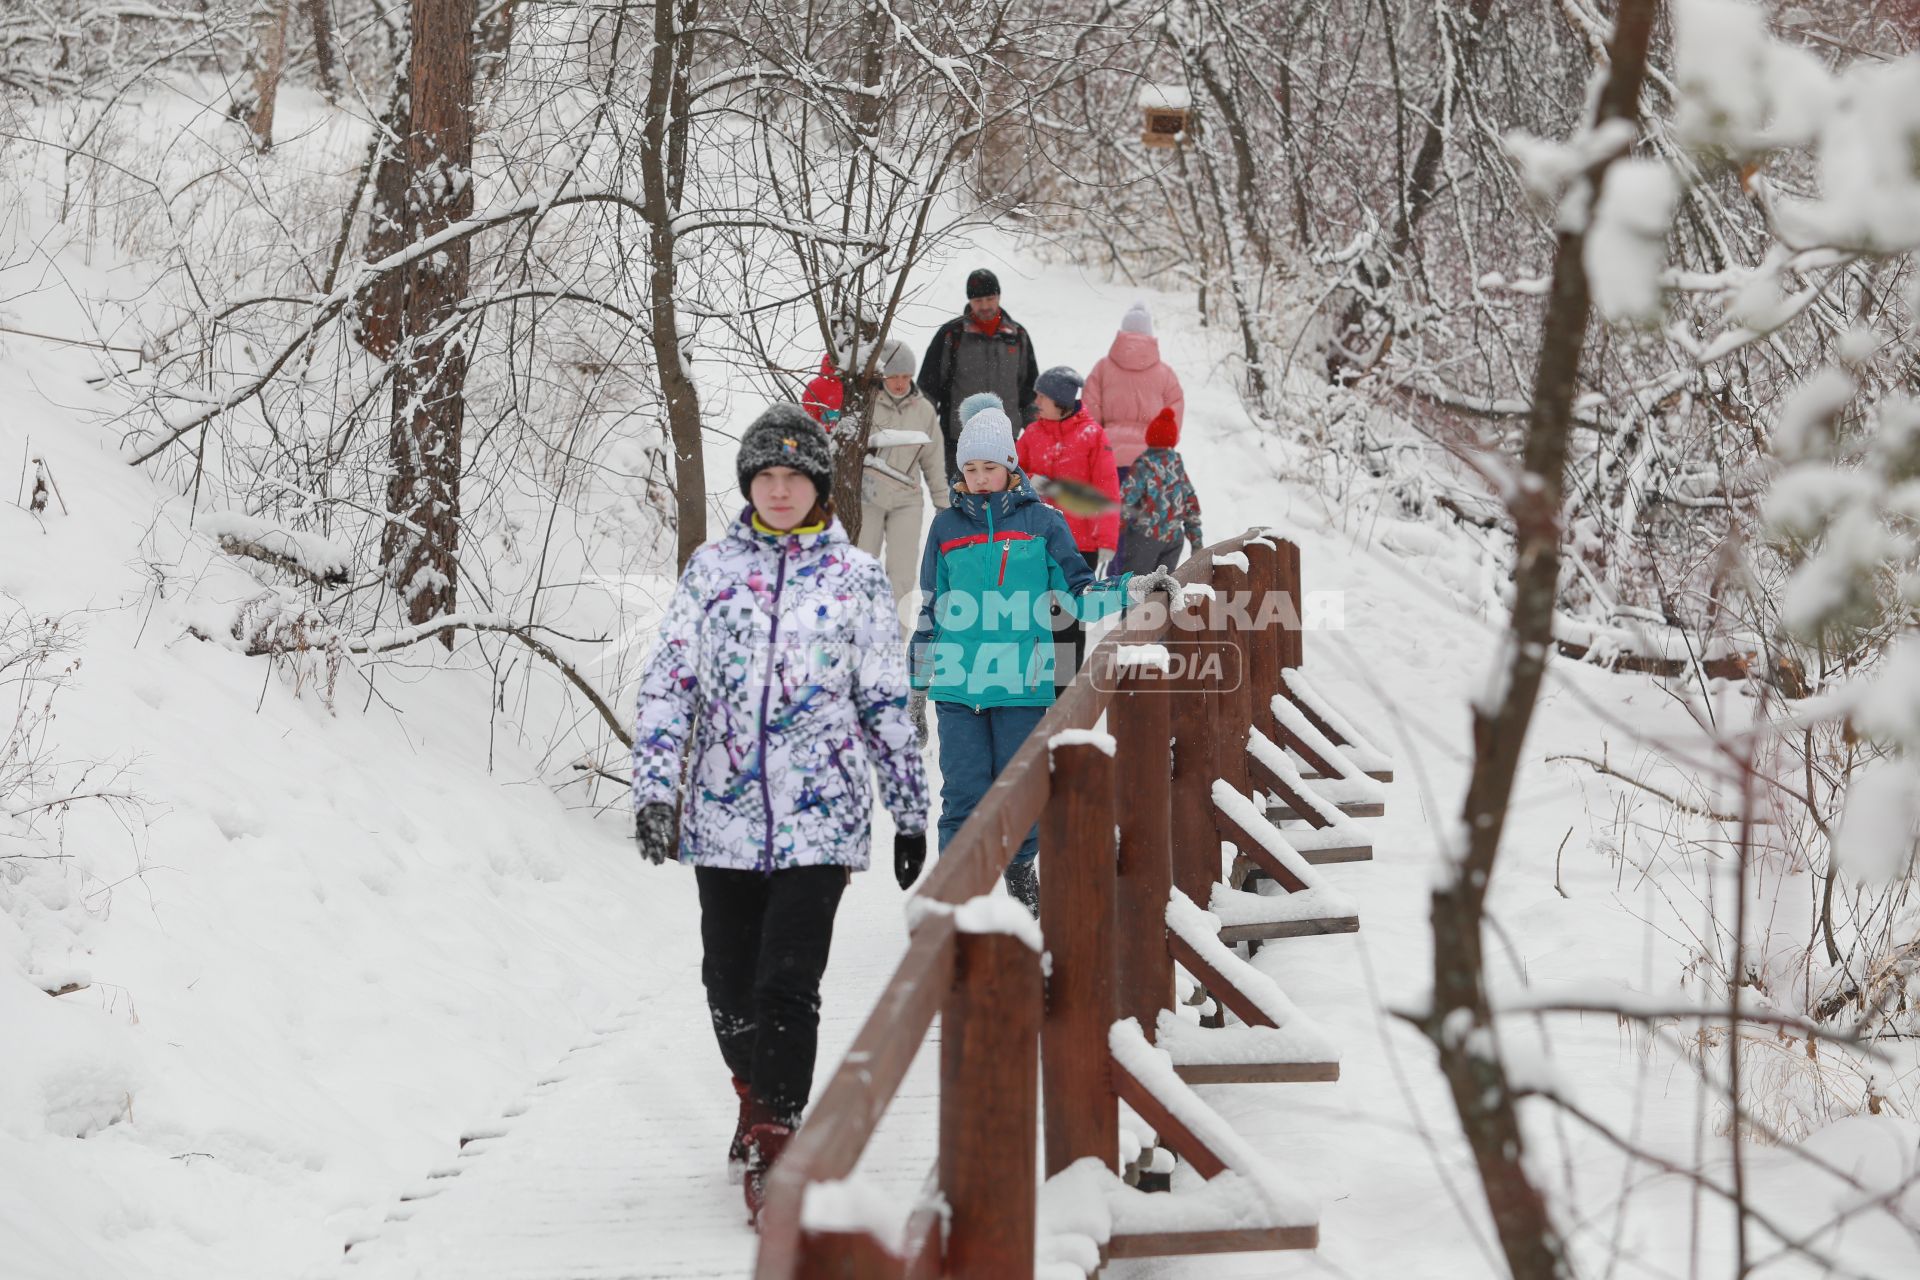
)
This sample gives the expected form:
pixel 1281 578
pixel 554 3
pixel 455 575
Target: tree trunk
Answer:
pixel 269 60
pixel 850 444
pixel 379 305
pixel 662 158
pixel 320 22
pixel 1461 1022
pixel 421 544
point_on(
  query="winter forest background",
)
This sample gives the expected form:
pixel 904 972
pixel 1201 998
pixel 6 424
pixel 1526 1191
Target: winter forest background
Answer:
pixel 369 367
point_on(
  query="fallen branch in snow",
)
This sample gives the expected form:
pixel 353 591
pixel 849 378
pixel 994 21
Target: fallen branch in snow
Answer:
pixel 1601 766
pixel 432 628
pixel 25 809
pixel 234 546
pixel 1653 1013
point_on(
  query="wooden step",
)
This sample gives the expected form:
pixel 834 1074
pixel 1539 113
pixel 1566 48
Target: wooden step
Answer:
pixel 1334 727
pixel 1352 808
pixel 1378 775
pixel 1166 1244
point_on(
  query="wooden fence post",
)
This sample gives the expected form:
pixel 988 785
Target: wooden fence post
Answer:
pixel 1077 872
pixel 1138 717
pixel 1233 704
pixel 1292 652
pixel 989 1094
pixel 1268 640
pixel 846 1255
pixel 1196 846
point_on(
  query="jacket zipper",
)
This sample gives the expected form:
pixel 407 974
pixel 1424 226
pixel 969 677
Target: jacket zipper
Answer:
pixel 766 692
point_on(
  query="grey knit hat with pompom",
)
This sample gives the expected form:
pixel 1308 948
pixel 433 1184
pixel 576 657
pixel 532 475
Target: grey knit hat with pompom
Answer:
pixel 987 437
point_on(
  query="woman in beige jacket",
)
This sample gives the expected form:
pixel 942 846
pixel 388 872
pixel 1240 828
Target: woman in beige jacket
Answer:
pixel 904 451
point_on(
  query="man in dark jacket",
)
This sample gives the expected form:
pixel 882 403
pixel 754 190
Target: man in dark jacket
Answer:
pixel 981 349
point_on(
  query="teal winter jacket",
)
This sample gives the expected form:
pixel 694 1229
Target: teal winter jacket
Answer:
pixel 999 575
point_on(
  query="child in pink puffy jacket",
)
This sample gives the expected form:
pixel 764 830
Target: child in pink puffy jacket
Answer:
pixel 1130 385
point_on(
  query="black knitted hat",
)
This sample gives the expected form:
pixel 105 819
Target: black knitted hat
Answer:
pixel 982 284
pixel 784 436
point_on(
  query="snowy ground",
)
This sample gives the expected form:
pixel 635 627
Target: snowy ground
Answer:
pixel 330 946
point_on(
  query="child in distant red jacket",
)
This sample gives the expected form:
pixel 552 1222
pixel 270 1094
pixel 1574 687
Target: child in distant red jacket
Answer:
pixel 825 395
pixel 1064 448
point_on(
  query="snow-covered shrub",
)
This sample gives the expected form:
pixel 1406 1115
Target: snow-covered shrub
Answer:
pixel 34 663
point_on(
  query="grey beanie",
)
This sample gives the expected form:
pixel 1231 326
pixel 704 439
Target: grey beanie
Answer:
pixel 1137 320
pixel 896 360
pixel 987 437
pixel 784 436
pixel 1060 385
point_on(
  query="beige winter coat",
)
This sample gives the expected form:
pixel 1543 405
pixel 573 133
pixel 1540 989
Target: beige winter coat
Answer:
pixel 895 472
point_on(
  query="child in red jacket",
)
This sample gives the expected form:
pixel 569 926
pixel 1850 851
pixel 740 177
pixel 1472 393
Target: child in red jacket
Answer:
pixel 1063 451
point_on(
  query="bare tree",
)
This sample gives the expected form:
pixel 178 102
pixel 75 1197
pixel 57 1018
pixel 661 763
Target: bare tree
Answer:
pixel 421 544
pixel 1460 1022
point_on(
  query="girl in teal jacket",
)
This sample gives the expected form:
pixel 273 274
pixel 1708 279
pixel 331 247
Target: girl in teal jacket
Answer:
pixel 998 578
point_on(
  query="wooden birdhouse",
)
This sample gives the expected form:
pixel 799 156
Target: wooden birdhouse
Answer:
pixel 1165 108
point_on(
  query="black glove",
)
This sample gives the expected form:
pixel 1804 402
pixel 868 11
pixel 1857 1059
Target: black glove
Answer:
pixel 909 855
pixel 653 832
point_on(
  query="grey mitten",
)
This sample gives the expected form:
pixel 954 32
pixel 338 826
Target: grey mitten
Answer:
pixel 653 832
pixel 1141 585
pixel 917 708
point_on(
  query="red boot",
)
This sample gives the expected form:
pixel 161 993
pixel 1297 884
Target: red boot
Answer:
pixel 765 1143
pixel 737 1149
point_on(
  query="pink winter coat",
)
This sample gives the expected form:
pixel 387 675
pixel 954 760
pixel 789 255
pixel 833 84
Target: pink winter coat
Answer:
pixel 1075 448
pixel 1127 388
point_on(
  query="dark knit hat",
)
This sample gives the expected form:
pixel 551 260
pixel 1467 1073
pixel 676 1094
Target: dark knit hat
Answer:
pixel 1164 431
pixel 1060 385
pixel 784 436
pixel 982 284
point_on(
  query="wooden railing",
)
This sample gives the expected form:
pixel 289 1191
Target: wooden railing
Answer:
pixel 1131 845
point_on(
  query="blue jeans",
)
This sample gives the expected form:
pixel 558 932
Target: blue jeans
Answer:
pixel 974 747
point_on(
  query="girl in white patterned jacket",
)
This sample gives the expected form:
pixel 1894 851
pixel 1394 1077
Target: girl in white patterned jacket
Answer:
pixel 780 659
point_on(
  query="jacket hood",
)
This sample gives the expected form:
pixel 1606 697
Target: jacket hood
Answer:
pixel 1134 352
pixel 974 505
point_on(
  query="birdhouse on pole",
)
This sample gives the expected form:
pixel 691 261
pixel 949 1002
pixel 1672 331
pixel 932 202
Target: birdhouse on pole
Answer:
pixel 1165 107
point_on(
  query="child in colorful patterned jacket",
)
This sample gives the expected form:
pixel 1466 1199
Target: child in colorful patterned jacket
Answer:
pixel 1159 503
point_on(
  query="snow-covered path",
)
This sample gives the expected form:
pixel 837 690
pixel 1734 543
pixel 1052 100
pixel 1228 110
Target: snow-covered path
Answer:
pixel 613 1164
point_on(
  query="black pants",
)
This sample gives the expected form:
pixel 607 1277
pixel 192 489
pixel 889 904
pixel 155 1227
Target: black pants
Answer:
pixel 1142 554
pixel 766 939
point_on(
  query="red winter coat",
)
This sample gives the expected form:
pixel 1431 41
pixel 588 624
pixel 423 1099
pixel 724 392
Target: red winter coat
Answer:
pixel 1075 448
pixel 1127 388
pixel 824 393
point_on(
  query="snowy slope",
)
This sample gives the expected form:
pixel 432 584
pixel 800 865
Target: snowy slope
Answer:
pixel 317 946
